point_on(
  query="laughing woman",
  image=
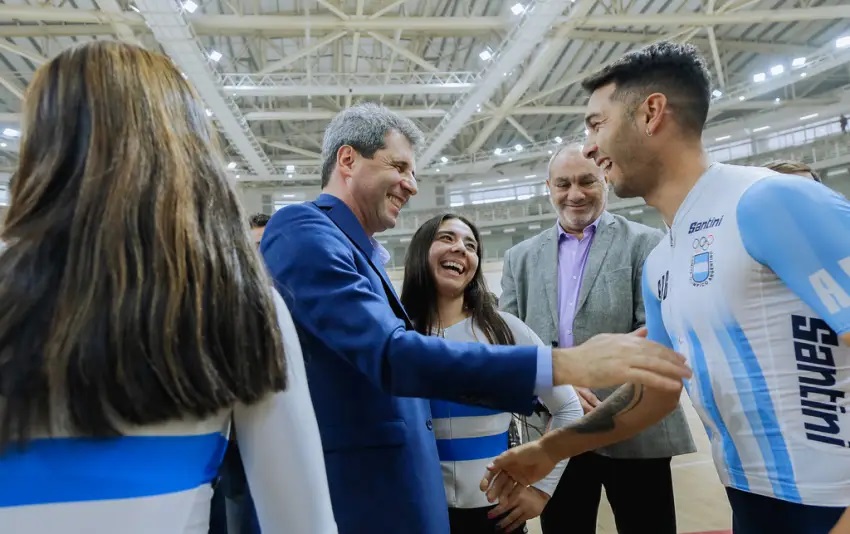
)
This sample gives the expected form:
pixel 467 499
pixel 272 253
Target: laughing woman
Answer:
pixel 445 294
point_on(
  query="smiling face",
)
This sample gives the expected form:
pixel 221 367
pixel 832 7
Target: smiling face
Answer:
pixel 453 257
pixel 379 187
pixel 618 146
pixel 577 190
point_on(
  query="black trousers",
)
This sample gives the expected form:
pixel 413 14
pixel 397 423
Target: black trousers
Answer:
pixel 757 514
pixel 475 521
pixel 640 493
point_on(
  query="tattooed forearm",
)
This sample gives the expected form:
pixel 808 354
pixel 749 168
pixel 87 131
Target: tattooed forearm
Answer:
pixel 601 419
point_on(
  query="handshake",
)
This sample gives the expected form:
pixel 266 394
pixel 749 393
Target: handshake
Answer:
pixel 652 375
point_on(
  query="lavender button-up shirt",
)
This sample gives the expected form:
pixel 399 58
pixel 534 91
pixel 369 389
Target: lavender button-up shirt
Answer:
pixel 572 258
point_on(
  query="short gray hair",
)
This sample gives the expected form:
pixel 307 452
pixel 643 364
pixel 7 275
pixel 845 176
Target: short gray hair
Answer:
pixel 566 147
pixel 363 127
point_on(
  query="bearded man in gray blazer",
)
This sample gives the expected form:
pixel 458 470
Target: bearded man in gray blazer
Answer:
pixel 580 278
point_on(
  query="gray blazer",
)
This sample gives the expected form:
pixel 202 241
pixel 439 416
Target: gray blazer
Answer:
pixel 610 301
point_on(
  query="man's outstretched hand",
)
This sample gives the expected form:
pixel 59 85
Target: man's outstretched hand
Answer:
pixel 607 360
pixel 515 469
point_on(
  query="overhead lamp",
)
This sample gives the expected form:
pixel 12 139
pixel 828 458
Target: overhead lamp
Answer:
pixel 716 93
pixel 498 151
pixel 11 132
pixel 530 176
pixel 776 70
pixel 559 140
pixel 475 183
pixel 798 62
pixel 288 196
pixel 231 165
pixel 238 176
pixel 760 77
pixel 742 98
pixel 803 75
pixel 517 9
pixel 550 152
pixel 722 138
pixel 290 168
pixel 503 180
pixel 215 55
pixel 444 159
pixel 2 145
pixel 485 55
pixel 208 112
pixel 760 129
pixel 807 117
pixel 842 42
pixel 134 8
pixel 777 100
pixel 190 6
pixel 437 170
pixel 518 148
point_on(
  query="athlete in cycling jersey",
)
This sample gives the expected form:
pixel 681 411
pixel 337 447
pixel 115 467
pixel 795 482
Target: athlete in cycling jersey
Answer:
pixel 752 285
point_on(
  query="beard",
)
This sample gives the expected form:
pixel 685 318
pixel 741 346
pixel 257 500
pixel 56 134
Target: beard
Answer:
pixel 634 162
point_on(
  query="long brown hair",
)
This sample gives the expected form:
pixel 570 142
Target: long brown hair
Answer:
pixel 129 291
pixel 419 289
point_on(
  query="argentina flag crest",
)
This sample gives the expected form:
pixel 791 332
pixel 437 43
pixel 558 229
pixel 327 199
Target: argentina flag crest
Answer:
pixel 702 268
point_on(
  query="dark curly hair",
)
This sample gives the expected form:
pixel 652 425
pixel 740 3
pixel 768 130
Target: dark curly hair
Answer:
pixel 258 220
pixel 676 70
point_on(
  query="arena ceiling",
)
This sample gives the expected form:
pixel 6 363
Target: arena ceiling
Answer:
pixel 485 79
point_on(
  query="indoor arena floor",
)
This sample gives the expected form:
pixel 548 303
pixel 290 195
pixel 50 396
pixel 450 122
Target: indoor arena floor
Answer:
pixel 701 505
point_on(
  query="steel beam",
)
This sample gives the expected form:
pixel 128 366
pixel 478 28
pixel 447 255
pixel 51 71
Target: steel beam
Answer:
pixel 173 31
pixel 516 47
pixel 217 24
pixel 341 84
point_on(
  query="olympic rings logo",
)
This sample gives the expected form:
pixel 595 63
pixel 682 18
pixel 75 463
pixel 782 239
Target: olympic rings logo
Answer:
pixel 704 242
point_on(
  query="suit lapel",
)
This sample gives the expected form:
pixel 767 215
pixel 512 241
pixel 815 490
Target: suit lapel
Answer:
pixel 344 219
pixel 596 257
pixel 547 256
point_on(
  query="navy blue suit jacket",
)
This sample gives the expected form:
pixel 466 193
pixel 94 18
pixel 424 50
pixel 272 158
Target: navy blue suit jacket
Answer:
pixel 369 372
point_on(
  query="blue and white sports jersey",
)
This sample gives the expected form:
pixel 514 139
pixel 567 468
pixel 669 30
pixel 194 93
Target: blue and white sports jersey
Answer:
pixel 752 284
pixel 470 437
pixel 156 479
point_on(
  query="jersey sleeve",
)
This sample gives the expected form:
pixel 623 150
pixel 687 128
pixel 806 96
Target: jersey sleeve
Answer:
pixel 800 229
pixel 282 451
pixel 656 331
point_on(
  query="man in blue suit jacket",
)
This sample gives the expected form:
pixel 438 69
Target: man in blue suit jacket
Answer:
pixel 368 370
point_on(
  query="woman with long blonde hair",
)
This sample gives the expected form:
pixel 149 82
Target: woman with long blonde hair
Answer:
pixel 136 318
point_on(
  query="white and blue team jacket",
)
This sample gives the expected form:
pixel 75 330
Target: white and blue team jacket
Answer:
pixel 752 285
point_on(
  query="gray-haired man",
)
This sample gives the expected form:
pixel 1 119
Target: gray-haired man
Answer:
pixel 369 371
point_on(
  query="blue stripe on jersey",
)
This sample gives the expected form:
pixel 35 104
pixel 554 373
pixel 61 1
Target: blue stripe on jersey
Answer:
pixel 807 248
pixel 62 470
pixel 445 409
pixel 753 392
pixel 462 449
pixel 730 450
